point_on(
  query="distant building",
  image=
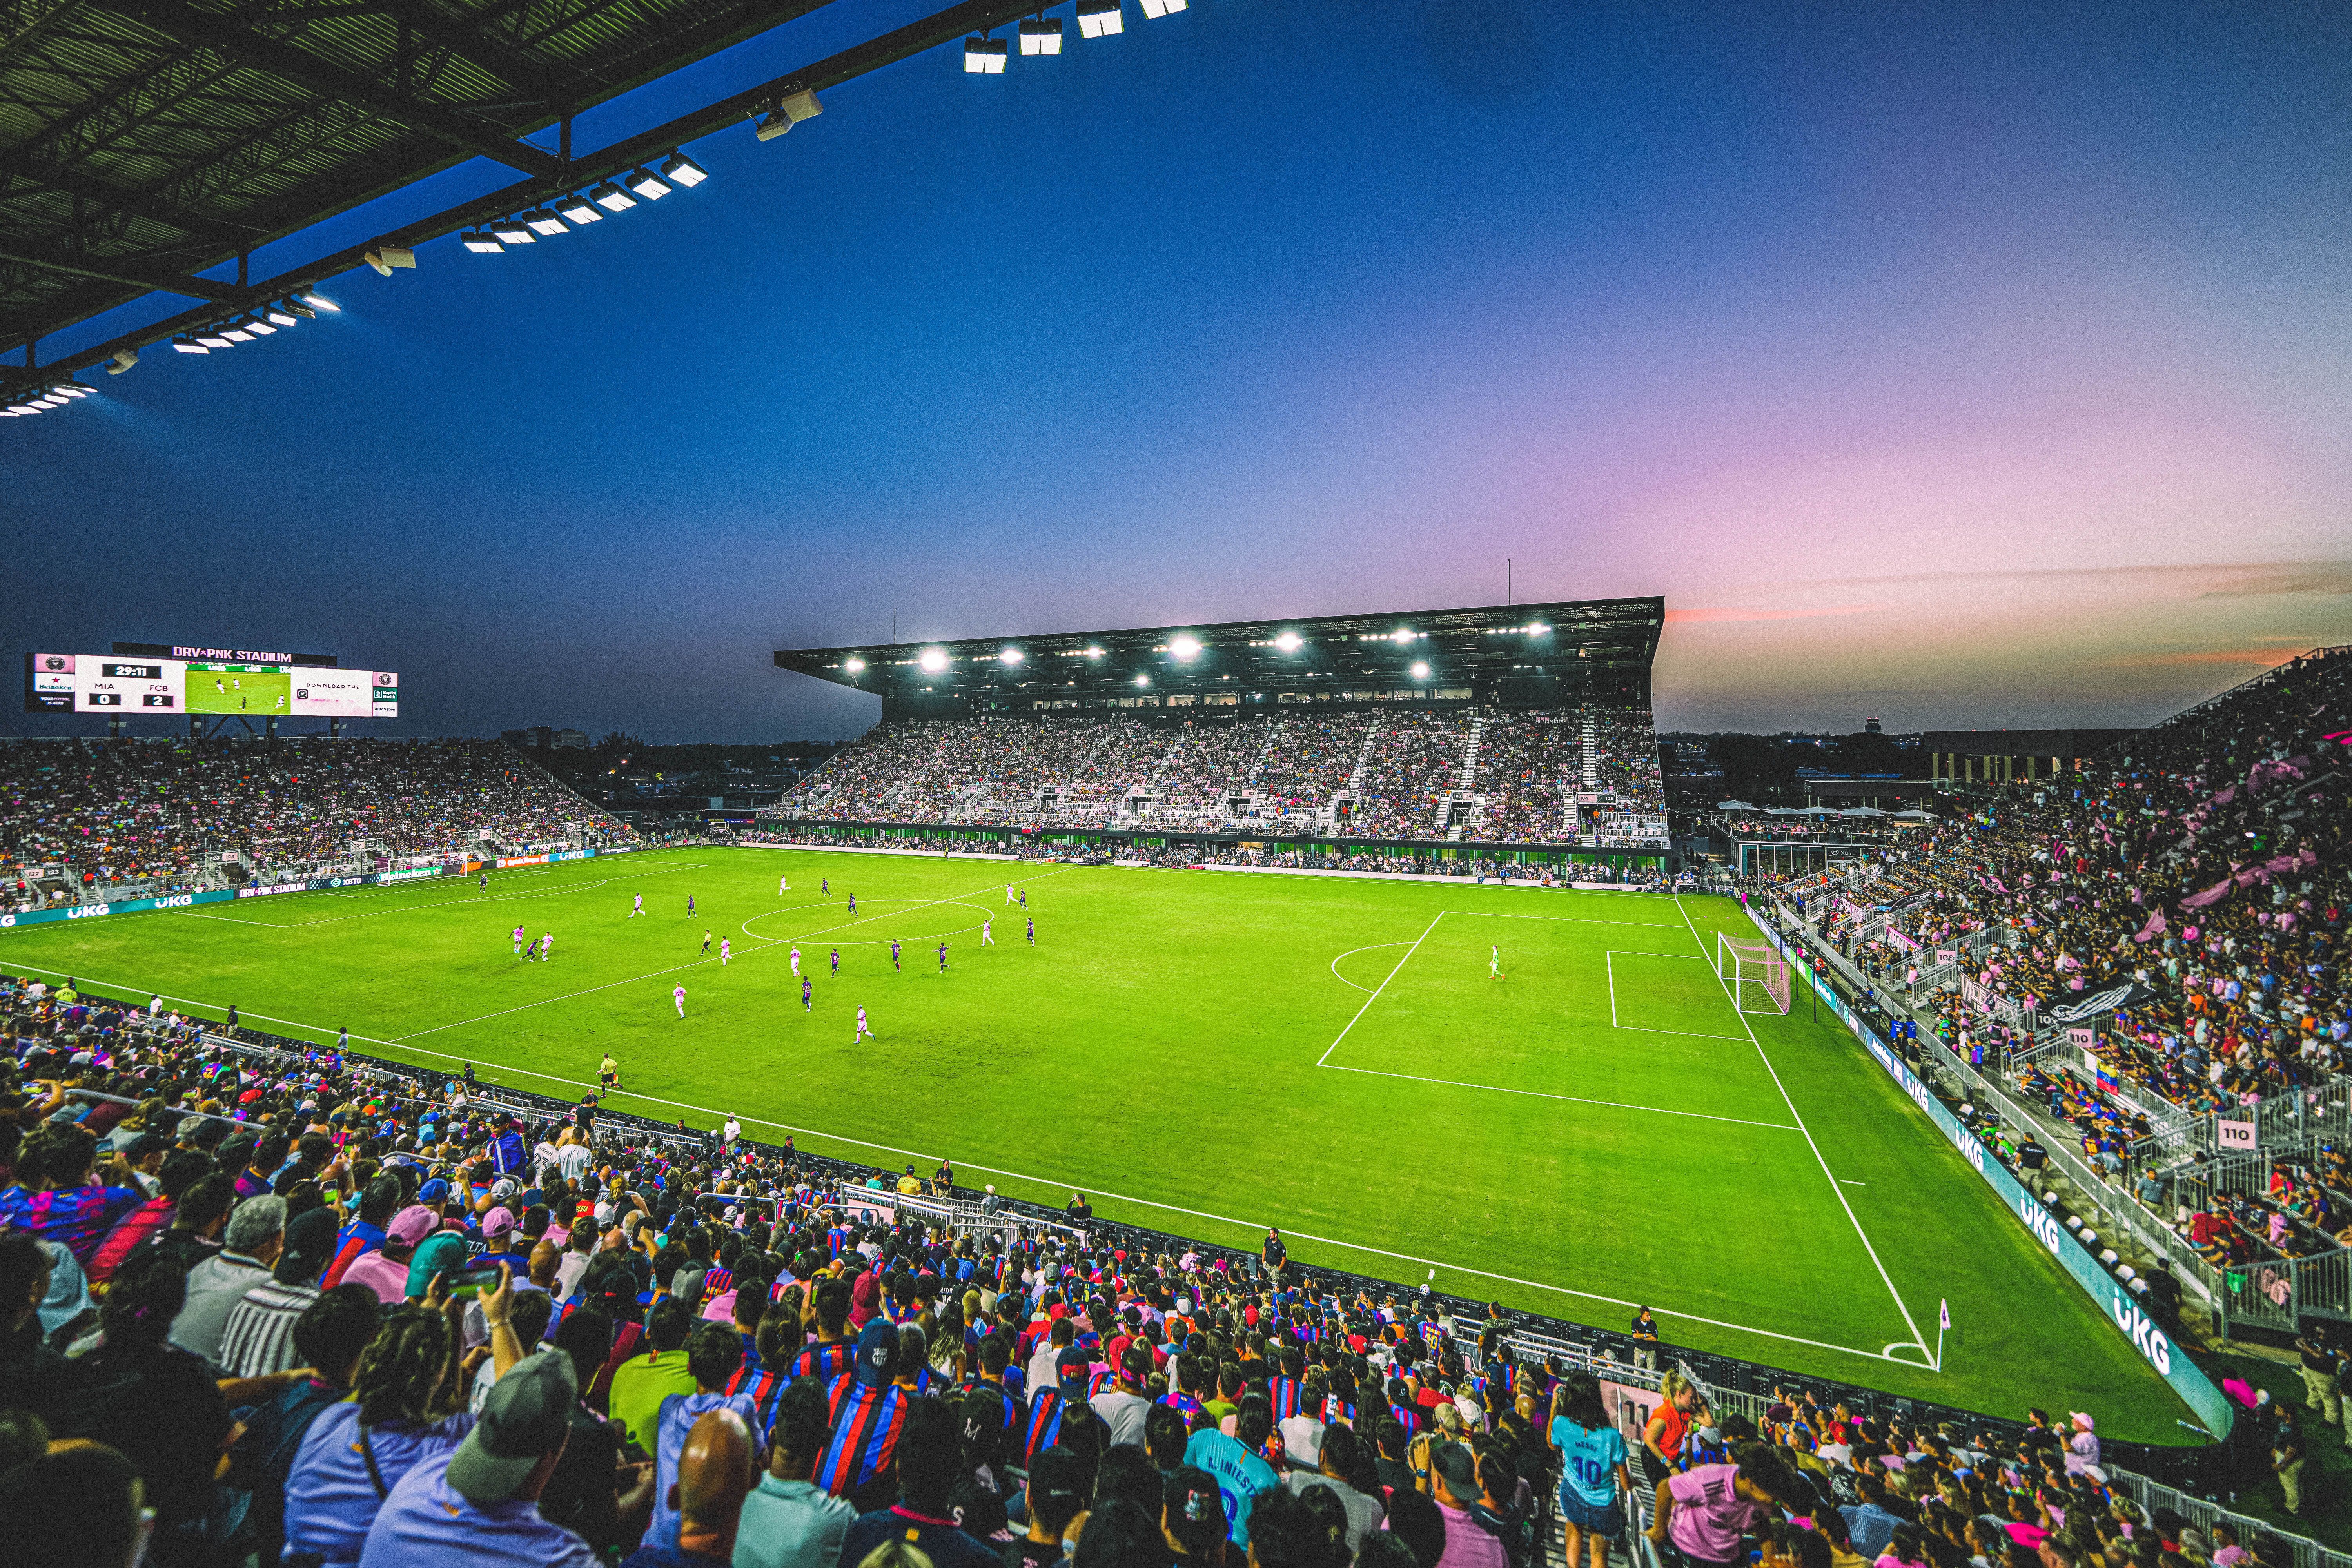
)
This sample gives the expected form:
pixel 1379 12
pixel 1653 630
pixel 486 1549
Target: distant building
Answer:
pixel 1870 727
pixel 2004 756
pixel 576 739
pixel 526 738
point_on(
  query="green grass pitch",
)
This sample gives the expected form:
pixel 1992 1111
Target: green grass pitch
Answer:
pixel 1209 1053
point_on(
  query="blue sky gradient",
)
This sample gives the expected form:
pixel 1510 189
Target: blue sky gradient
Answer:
pixel 1960 365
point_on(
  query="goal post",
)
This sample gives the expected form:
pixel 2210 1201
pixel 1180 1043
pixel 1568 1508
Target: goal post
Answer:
pixel 1754 973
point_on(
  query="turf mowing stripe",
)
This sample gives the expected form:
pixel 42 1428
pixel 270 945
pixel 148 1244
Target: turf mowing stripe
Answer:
pixel 1917 1341
pixel 1383 985
pixel 1573 1099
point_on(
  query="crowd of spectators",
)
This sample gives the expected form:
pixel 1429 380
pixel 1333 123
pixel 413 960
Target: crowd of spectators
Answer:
pixel 1281 773
pixel 79 816
pixel 1414 760
pixel 1312 760
pixel 279 1306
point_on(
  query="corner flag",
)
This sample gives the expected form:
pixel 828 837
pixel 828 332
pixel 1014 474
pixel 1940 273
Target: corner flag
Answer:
pixel 1943 1314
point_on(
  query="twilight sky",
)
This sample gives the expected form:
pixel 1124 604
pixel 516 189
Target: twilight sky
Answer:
pixel 1961 364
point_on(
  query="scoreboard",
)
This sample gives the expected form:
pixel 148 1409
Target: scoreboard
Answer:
pixel 122 686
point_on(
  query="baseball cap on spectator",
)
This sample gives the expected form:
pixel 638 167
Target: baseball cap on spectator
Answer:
pixel 877 1352
pixel 443 1249
pixel 498 1222
pixel 1057 1474
pixel 1191 1497
pixel 412 1225
pixel 309 1245
pixel 1457 1469
pixel 433 1191
pixel 526 1417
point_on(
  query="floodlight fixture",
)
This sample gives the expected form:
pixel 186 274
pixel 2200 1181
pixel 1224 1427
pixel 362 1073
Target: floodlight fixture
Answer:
pixel 188 345
pixel 1041 36
pixel 211 338
pixel 1094 652
pixel 123 360
pixel 384 258
pixel 933 659
pixel 1401 635
pixel 234 332
pixel 1290 642
pixel 1184 647
pixel 984 57
pixel 1099 19
pixel 681 170
pixel 544 222
pixel 1421 670
pixel 578 209
pixel 482 244
pixel 853 664
pixel 281 314
pixel 257 326
pixel 647 183
pixel 70 389
pixel 1009 656
pixel 322 302
pixel 512 231
pixel 1539 630
pixel 612 198
pixel 1155 9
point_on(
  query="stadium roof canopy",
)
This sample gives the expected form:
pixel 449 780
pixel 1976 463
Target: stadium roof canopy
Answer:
pixel 1522 654
pixel 145 144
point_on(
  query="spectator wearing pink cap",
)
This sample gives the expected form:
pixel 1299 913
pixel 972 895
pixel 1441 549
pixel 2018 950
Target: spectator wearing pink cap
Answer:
pixel 498 1239
pixel 385 1269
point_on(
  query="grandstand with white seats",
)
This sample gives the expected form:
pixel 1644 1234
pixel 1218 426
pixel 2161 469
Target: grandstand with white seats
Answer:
pixel 1522 729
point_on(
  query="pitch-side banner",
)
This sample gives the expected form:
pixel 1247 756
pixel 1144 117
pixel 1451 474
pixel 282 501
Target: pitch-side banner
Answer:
pixel 2211 1405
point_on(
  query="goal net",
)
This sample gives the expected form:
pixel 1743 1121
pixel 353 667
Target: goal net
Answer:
pixel 1754 973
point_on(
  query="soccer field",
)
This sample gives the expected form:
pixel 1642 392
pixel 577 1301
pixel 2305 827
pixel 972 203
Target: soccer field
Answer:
pixel 1209 1053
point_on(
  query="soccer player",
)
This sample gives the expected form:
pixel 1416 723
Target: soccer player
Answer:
pixel 689 903
pixel 784 885
pixel 638 908
pixel 852 903
pixel 796 959
pixel 807 993
pixel 1495 963
pixel 486 881
pixel 1025 898
pixel 725 953
pixel 863 1032
pixel 893 954
pixel 547 947
pixel 836 961
pixel 824 887
pixel 1033 930
pixel 517 941
pixel 1008 893
pixel 943 958
pixel 678 994
pixel 987 931
pixel 608 1073
pixel 706 942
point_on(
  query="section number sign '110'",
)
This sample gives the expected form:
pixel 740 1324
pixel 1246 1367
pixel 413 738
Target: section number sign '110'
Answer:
pixel 111 683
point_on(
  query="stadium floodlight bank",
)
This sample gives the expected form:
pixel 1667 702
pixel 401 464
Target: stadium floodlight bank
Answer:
pixel 1755 974
pixel 1520 656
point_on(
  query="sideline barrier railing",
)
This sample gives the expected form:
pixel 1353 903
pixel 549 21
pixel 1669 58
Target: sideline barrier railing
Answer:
pixel 2210 1406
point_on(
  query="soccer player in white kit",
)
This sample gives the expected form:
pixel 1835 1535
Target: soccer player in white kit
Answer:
pixel 863 1032
pixel 547 946
pixel 986 937
pixel 678 994
pixel 517 941
pixel 1008 893
pixel 784 885
pixel 724 953
pixel 796 961
pixel 638 908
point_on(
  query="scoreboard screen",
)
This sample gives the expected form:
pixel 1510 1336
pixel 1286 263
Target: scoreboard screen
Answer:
pixel 109 683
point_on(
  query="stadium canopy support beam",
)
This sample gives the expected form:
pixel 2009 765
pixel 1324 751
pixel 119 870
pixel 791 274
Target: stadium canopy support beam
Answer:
pixel 944 27
pixel 137 273
pixel 184 22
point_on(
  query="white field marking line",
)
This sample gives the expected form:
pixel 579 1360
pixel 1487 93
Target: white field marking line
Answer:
pixel 1024 1176
pixel 1561 920
pixel 235 919
pixel 1627 953
pixel 1849 1181
pixel 1350 953
pixel 1917 1341
pixel 1609 968
pixel 1685 1034
pixel 497 898
pixel 1571 1098
pixel 691 963
pixel 1383 985
pixel 810 936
